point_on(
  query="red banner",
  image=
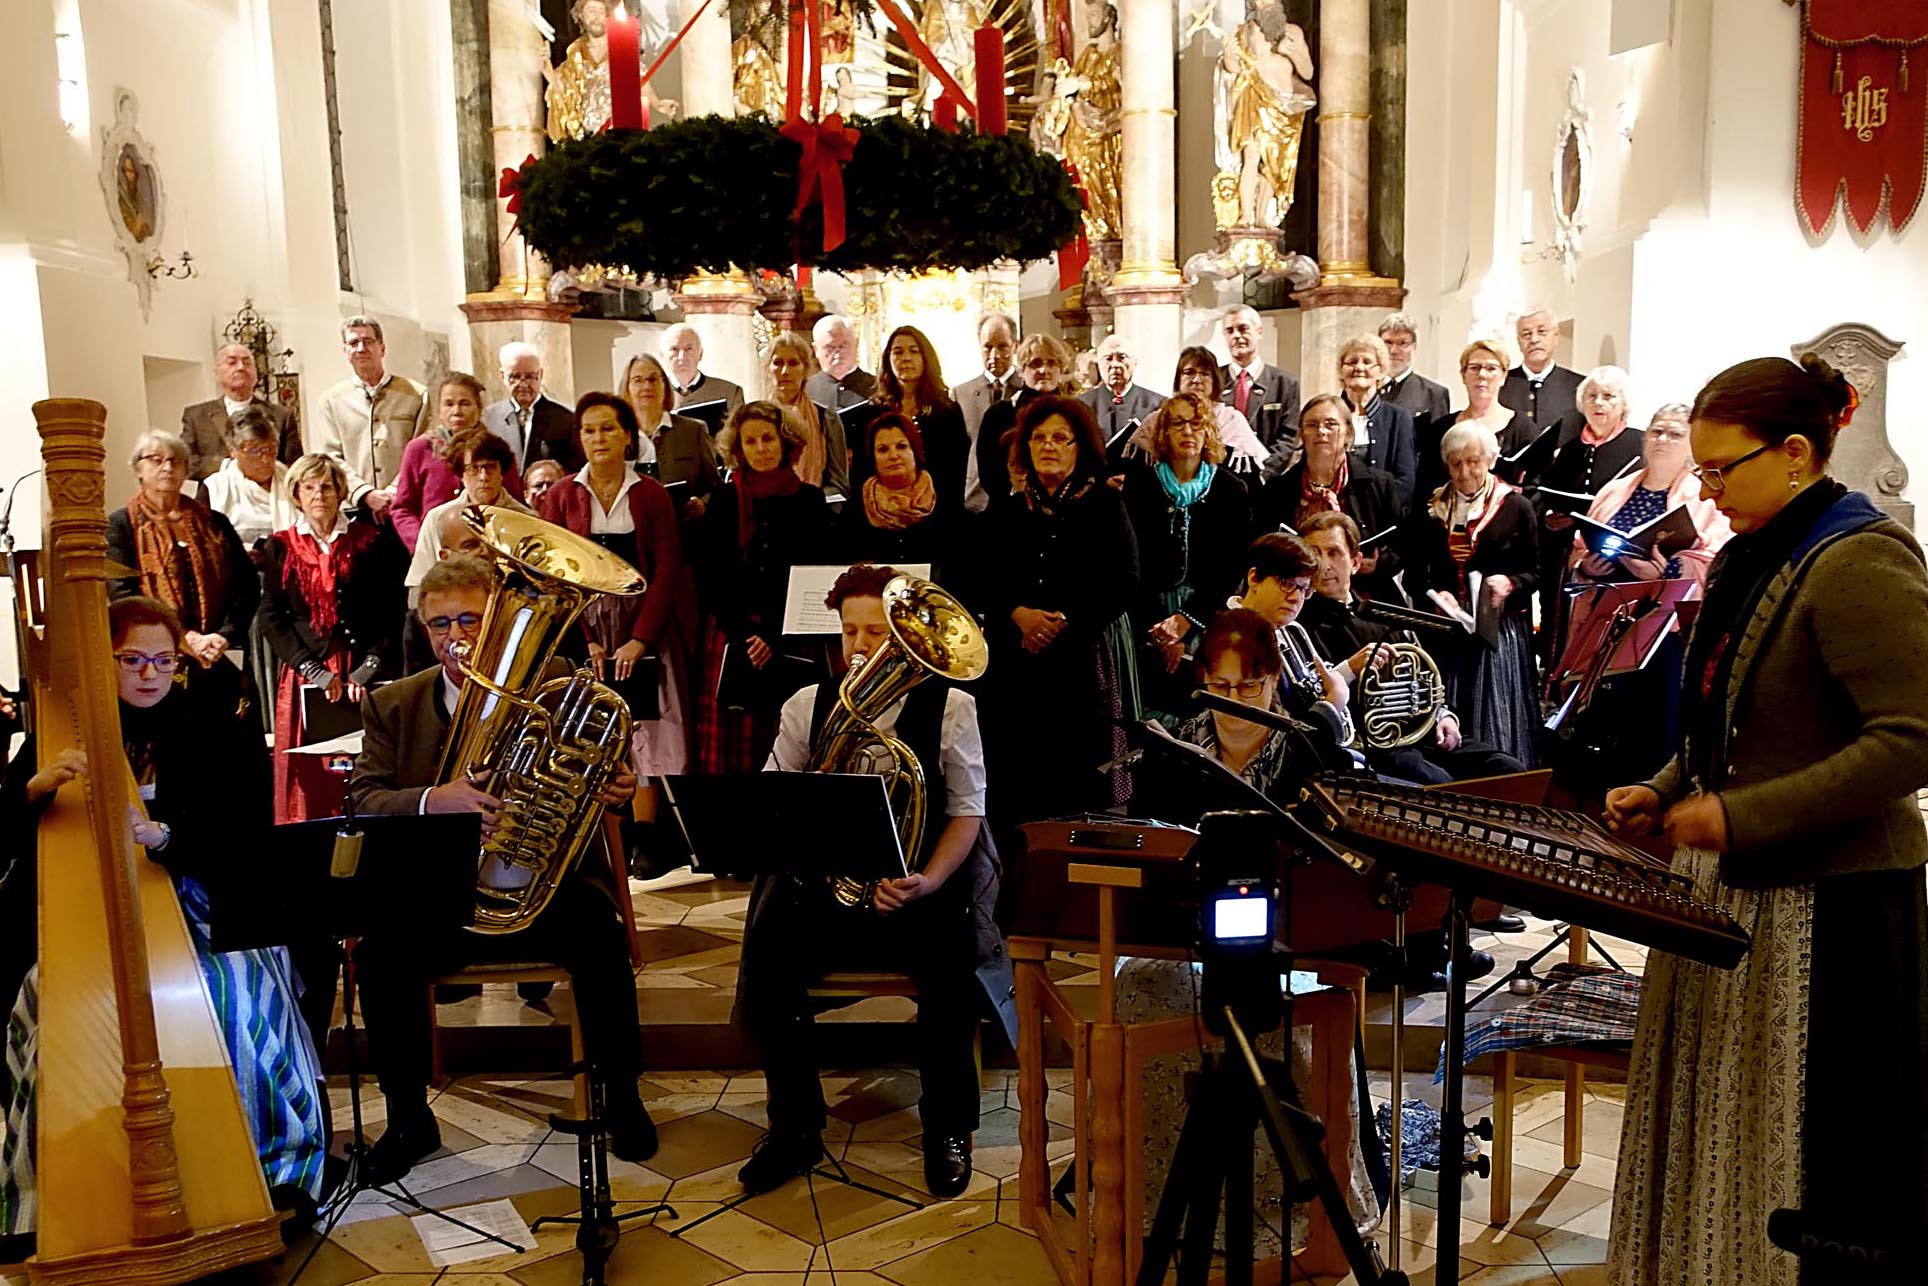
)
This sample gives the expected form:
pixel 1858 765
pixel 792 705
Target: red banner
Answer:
pixel 1864 113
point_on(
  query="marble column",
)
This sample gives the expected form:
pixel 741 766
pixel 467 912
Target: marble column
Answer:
pixel 519 307
pixel 517 55
pixel 1147 293
pixel 1349 299
pixel 721 307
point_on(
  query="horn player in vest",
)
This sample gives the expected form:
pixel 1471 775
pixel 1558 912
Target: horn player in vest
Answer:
pixel 923 924
pixel 403 727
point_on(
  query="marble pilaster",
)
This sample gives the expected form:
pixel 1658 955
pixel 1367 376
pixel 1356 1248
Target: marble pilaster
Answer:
pixel 496 320
pixel 517 56
pixel 1147 293
pixel 1345 139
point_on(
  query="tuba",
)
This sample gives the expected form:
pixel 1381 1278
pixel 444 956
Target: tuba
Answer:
pixel 544 748
pixel 931 633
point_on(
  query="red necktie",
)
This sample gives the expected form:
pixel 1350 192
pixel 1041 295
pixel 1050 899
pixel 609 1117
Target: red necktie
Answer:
pixel 1242 392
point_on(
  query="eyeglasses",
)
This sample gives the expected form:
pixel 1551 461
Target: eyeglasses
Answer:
pixel 1296 588
pixel 255 449
pixel 1482 368
pixel 1246 688
pixel 1714 476
pixel 441 624
pixel 1053 440
pixel 160 458
pixel 1324 426
pixel 482 466
pixel 137 662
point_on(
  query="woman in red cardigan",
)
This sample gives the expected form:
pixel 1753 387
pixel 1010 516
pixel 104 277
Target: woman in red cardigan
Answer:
pixel 633 517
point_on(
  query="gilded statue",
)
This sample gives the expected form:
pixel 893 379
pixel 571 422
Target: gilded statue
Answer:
pixel 578 92
pixel 1262 96
pixel 1056 86
pixel 947 27
pixel 1093 137
pixel 759 81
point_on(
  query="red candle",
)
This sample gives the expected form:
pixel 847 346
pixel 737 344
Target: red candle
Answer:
pixel 625 34
pixel 803 276
pixel 944 113
pixel 989 45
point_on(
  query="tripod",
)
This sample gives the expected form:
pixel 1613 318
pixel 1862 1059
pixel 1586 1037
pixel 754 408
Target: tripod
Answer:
pixel 355 1180
pixel 1237 1094
pixel 598 1227
pixel 829 1168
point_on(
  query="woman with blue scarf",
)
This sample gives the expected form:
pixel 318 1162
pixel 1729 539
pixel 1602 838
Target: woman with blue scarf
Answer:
pixel 1191 517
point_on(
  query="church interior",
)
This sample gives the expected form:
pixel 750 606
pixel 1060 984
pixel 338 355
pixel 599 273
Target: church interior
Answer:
pixel 710 398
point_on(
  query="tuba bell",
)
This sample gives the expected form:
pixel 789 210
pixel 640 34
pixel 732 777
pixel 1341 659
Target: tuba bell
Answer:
pixel 545 748
pixel 931 633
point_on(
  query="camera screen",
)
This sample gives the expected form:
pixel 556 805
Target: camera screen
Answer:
pixel 1240 917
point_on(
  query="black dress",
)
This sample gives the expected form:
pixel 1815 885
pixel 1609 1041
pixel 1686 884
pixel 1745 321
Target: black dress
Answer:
pixel 947 448
pixel 933 541
pixel 1494 689
pixel 1370 500
pixel 743 586
pixel 1189 561
pixel 1053 717
pixel 1516 434
pixel 993 459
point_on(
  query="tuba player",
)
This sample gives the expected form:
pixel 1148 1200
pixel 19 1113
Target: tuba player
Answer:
pixel 404 726
pixel 934 924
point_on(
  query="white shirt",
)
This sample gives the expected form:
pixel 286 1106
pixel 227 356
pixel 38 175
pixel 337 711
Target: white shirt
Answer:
pixel 1254 369
pixel 961 747
pixel 615 520
pixel 450 695
pixel 234 407
pixel 327 542
pixel 255 510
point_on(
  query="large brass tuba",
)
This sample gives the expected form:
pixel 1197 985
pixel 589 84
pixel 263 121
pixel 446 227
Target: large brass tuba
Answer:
pixel 545 749
pixel 931 633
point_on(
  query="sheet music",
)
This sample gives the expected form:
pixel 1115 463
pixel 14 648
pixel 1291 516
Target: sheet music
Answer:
pixel 447 1244
pixel 803 609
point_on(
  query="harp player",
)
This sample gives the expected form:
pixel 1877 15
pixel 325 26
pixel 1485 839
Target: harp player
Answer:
pixel 934 924
pixel 404 726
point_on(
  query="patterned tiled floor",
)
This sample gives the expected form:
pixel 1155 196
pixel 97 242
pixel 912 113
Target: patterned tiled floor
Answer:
pixel 497 1145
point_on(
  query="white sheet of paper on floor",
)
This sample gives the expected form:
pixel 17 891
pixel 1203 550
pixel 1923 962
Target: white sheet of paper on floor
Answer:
pixel 447 1244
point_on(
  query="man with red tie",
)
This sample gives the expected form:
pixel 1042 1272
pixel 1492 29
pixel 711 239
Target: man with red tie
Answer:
pixel 1265 395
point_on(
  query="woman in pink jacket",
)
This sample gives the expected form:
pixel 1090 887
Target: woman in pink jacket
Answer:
pixel 1663 481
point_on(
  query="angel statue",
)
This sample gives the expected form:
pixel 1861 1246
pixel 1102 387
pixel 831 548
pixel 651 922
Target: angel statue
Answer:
pixel 1094 138
pixel 947 27
pixel 578 92
pixel 1262 94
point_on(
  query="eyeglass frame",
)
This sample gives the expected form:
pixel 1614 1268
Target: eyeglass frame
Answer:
pixel 1714 476
pixel 138 662
pixel 467 620
pixel 1226 688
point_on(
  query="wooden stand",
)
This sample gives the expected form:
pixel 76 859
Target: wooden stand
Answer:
pixel 1107 1091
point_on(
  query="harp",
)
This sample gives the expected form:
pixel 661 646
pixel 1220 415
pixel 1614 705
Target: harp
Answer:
pixel 146 1169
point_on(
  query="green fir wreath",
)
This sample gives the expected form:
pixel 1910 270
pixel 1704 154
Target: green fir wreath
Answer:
pixel 703 194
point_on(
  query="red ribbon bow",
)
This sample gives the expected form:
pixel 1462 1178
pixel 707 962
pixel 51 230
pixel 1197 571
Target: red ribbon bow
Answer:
pixel 827 147
pixel 511 184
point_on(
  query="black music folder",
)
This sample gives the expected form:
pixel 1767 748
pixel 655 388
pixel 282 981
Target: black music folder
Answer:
pixel 325 720
pixel 1668 534
pixel 804 824
pixel 712 414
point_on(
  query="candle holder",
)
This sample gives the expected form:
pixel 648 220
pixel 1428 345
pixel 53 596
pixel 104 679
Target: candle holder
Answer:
pixel 180 270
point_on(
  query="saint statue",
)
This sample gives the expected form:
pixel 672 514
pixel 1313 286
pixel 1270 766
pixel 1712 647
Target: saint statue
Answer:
pixel 578 92
pixel 1262 95
pixel 759 81
pixel 1056 85
pixel 1093 137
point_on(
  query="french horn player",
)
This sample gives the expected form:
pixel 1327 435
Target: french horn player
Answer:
pixel 906 645
pixel 409 728
pixel 1398 699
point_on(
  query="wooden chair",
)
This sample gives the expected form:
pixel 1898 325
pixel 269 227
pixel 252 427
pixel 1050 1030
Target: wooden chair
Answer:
pixel 540 971
pixel 1577 1059
pixel 849 986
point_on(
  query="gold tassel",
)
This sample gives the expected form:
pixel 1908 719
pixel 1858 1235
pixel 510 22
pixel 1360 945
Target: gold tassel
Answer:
pixel 1837 71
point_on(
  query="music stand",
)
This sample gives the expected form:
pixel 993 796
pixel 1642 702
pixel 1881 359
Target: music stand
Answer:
pixel 757 824
pixel 1612 628
pixel 344 877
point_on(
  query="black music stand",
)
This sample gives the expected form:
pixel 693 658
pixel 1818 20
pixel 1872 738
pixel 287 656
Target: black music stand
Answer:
pixel 344 877
pixel 762 824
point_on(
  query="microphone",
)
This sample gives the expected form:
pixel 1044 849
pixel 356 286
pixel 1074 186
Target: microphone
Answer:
pixel 348 845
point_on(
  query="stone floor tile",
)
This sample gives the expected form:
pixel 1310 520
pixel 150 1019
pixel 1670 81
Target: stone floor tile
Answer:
pixel 644 1257
pixel 802 1207
pixel 696 1143
pixel 752 1246
pixel 990 1256
pixel 627 1182
pixel 910 1233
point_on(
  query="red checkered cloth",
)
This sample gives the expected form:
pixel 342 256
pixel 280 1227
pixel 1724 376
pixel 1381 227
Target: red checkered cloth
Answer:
pixel 728 739
pixel 1579 1005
